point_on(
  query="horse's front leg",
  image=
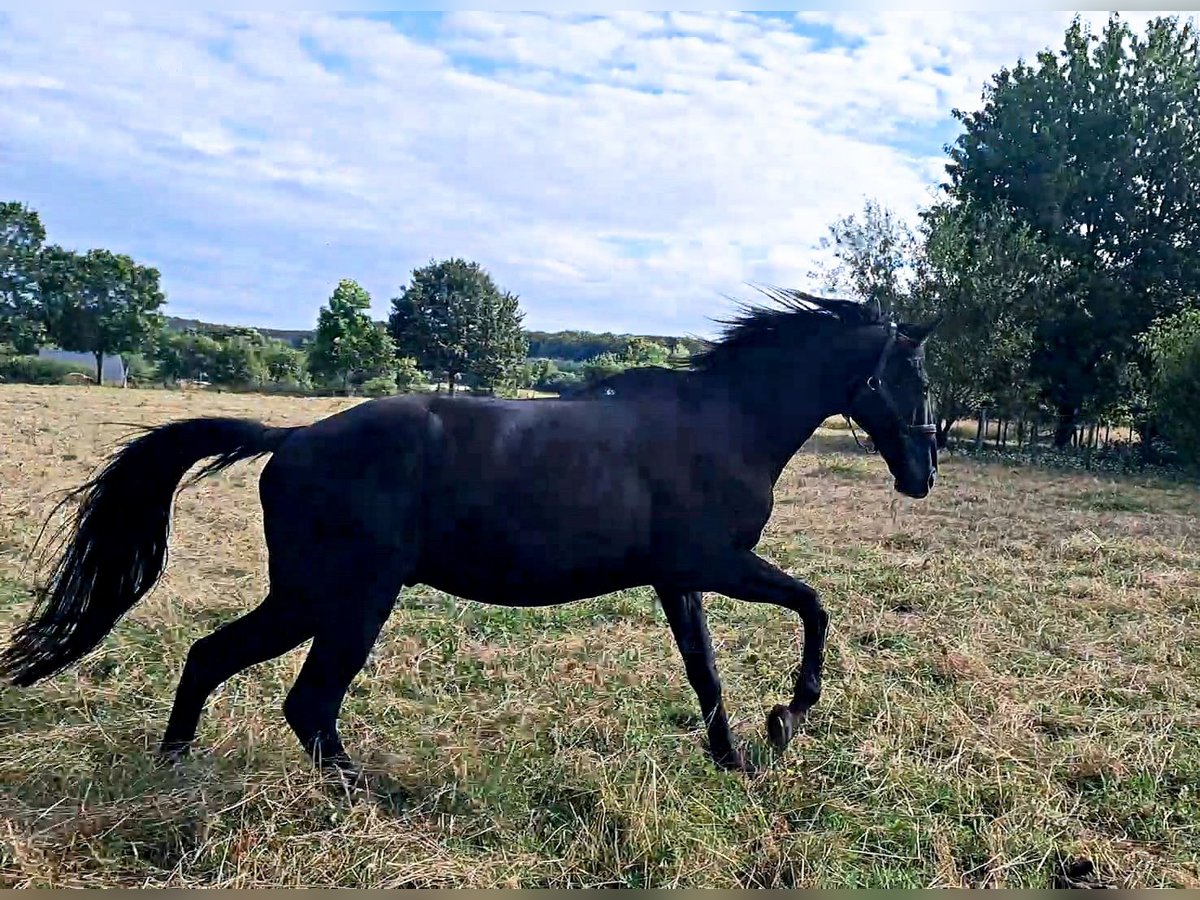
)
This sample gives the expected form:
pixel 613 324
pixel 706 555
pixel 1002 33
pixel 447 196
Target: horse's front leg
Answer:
pixel 685 613
pixel 751 578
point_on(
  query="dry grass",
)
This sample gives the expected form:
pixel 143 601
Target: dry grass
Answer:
pixel 1012 681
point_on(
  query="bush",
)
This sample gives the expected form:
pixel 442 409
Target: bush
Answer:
pixel 139 369
pixel 36 370
pixel 559 381
pixel 1174 390
pixel 408 375
pixel 380 386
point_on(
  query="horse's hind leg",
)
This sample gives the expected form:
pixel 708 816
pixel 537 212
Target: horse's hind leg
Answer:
pixel 270 629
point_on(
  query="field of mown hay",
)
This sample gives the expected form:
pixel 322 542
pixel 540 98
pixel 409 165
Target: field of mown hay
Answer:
pixel 1013 685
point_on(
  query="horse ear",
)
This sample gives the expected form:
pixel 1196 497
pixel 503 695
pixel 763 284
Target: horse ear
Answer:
pixel 918 334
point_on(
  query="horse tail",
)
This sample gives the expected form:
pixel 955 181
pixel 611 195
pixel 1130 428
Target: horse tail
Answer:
pixel 118 547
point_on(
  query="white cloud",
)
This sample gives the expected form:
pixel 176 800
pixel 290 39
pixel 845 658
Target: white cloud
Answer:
pixel 618 173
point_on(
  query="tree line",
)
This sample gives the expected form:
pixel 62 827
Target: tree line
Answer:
pixel 1063 250
pixel 451 325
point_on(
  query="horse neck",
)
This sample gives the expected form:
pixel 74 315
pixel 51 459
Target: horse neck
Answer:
pixel 784 398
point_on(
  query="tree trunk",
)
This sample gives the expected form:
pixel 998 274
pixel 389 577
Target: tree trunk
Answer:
pixel 1033 435
pixel 1020 434
pixel 1004 434
pixel 1107 435
pixel 981 429
pixel 1147 432
pixel 1065 430
pixel 99 368
pixel 450 381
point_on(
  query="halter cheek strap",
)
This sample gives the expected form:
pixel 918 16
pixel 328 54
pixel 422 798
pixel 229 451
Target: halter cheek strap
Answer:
pixel 877 386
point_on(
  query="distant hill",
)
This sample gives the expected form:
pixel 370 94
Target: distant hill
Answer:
pixel 569 345
pixel 295 338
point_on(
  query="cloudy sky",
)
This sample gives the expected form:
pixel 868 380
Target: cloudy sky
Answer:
pixel 618 172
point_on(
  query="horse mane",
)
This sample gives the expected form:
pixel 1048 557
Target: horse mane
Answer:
pixel 796 317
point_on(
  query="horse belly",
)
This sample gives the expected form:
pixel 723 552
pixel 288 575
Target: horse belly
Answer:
pixel 512 554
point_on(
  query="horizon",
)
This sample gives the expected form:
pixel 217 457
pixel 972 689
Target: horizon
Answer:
pixel 612 171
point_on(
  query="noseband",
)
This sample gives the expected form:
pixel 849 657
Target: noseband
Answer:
pixel 876 385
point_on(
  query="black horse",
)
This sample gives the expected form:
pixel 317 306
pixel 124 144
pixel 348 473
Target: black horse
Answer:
pixel 662 479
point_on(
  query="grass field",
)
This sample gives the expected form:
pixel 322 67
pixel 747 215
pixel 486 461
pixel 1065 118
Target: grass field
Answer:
pixel 1013 682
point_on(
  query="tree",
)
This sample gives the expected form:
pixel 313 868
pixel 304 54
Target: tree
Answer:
pixel 348 347
pixel 874 256
pixel 21 238
pixel 186 354
pixel 455 321
pixel 99 302
pixel 983 274
pixel 1096 149
pixel 238 360
pixel 284 364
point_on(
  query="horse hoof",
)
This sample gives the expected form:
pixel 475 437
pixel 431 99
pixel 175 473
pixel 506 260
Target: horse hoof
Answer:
pixel 780 727
pixel 173 753
pixel 343 772
pixel 736 761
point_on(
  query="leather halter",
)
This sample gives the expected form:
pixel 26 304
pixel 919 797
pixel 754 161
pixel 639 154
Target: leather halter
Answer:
pixel 877 386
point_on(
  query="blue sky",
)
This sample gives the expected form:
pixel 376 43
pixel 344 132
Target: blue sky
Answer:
pixel 620 172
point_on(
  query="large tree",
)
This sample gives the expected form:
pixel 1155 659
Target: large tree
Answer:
pixel 21 239
pixel 348 347
pixel 454 320
pixel 1096 148
pixel 99 302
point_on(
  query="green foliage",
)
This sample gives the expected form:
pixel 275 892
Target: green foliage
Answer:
pixel 186 355
pixel 139 368
pixel 237 361
pixel 603 366
pixel 982 271
pixel 578 346
pixel 21 238
pixel 379 386
pixel 1173 344
pixel 36 370
pixel 640 351
pixel 454 320
pixel 873 256
pixel 284 364
pixel 349 348
pixel 408 375
pixel 234 357
pixel 1096 149
pixel 99 302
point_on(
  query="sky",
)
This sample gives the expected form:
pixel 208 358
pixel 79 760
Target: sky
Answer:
pixel 627 172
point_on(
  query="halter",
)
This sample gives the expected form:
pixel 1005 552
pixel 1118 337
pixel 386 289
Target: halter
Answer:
pixel 875 385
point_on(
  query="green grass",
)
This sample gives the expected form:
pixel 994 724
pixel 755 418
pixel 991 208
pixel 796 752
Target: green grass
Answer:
pixel 1011 682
